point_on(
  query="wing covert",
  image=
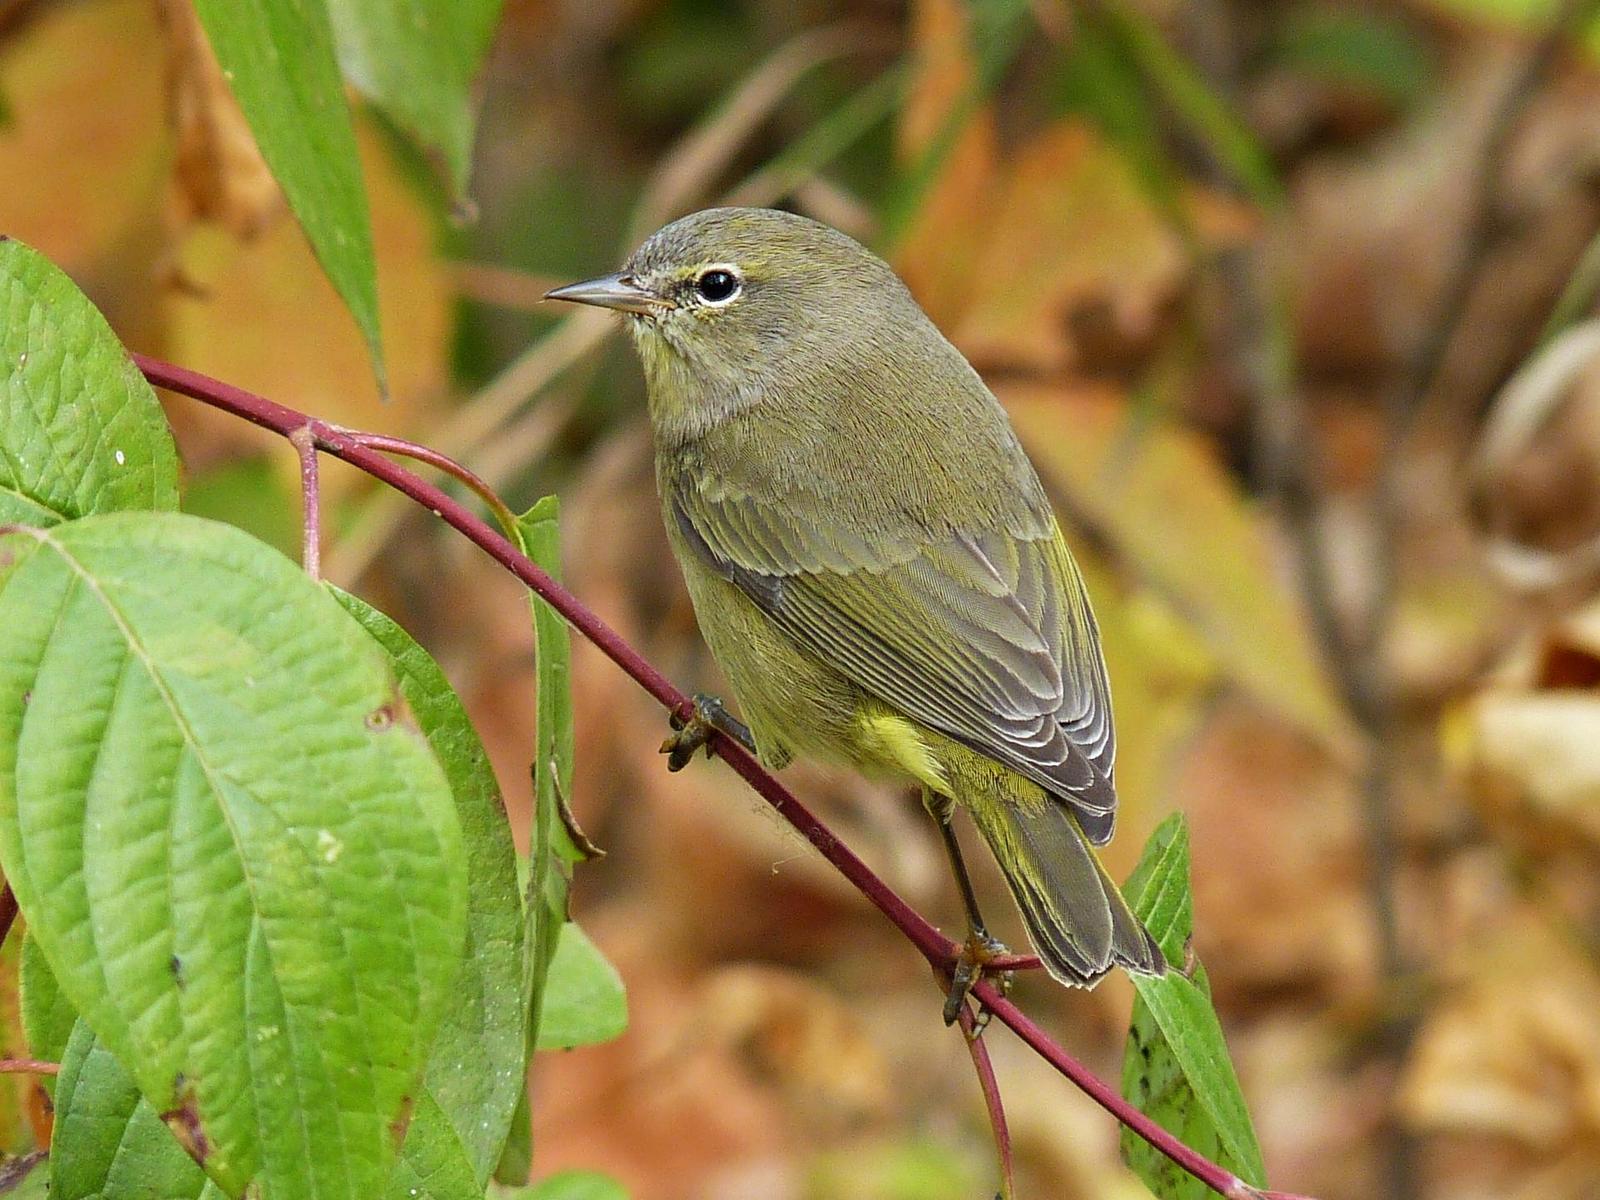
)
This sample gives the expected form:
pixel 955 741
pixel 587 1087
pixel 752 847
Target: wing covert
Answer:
pixel 986 638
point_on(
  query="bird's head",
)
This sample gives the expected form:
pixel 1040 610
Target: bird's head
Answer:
pixel 726 303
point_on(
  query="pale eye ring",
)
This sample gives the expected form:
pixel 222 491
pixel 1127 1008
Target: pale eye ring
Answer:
pixel 718 285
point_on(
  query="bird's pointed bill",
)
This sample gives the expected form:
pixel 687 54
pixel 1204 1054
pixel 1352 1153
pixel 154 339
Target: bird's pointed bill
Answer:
pixel 617 291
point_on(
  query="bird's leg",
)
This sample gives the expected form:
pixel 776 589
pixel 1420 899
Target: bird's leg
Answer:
pixel 688 736
pixel 981 947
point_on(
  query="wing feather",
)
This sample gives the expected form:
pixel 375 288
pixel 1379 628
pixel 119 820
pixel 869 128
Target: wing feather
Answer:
pixel 986 637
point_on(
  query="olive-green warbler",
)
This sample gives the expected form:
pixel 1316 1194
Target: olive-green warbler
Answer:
pixel 873 561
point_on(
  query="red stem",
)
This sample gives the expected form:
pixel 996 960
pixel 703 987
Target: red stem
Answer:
pixel 427 454
pixel 939 950
pixel 991 1099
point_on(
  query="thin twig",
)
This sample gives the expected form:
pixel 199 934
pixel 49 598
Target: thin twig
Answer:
pixel 28 1066
pixel 939 950
pixel 311 498
pixel 393 445
pixel 991 1099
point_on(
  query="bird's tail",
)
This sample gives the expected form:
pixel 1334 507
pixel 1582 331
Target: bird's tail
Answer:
pixel 1078 921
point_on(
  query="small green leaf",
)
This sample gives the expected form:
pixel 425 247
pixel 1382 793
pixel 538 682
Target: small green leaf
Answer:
pixel 80 430
pixel 1158 888
pixel 240 860
pixel 416 60
pixel 278 57
pixel 553 853
pixel 1176 1067
pixel 584 1000
pixel 565 1185
pixel 475 1069
pixel 108 1143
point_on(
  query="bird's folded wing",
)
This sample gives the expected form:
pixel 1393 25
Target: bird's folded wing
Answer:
pixel 984 637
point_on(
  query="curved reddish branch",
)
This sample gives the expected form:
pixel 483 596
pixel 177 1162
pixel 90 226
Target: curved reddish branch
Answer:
pixel 990 1086
pixel 360 451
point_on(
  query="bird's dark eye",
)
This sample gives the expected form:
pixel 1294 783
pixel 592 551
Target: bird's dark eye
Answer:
pixel 717 285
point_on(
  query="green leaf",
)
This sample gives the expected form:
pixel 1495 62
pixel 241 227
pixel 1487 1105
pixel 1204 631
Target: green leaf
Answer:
pixel 434 1163
pixel 80 430
pixel 1376 51
pixel 1209 117
pixel 553 851
pixel 113 1146
pixel 1158 888
pixel 238 856
pixel 516 1160
pixel 584 1001
pixel 278 57
pixel 566 1185
pixel 416 60
pixel 108 1143
pixel 475 1069
pixel 1176 1067
pixel 47 1015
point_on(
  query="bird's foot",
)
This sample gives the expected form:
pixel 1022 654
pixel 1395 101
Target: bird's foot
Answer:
pixel 710 714
pixel 980 949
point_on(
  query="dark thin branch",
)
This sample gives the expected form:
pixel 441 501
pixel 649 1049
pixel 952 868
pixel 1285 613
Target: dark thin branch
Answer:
pixel 991 1099
pixel 8 912
pixel 939 950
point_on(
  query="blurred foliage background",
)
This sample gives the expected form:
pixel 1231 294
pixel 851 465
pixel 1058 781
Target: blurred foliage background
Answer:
pixel 1253 279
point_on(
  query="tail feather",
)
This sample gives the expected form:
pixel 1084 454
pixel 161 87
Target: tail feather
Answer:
pixel 1078 921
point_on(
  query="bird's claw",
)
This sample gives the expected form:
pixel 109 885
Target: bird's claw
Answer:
pixel 979 950
pixel 710 715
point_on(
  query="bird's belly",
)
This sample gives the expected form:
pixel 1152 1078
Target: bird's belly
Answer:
pixel 792 702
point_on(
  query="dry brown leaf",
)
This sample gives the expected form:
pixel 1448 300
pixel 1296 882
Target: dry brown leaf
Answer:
pixel 1278 860
pixel 266 318
pixel 671 1114
pixel 1543 750
pixel 218 173
pixel 799 1036
pixel 1158 493
pixel 1512 1054
pixel 1161 674
pixel 1069 228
